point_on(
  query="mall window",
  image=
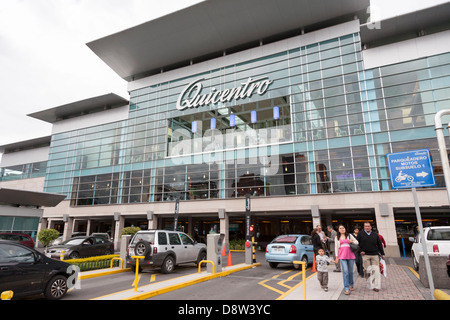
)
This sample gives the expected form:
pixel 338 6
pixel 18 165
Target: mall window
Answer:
pixel 95 190
pixel 256 123
pixel 23 171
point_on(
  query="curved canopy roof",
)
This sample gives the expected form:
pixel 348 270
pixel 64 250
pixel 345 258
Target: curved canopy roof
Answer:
pixel 78 108
pixel 212 27
pixel 29 198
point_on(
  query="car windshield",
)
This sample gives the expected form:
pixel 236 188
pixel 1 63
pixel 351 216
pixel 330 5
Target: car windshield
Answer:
pixel 285 239
pixel 74 242
pixel 439 234
pixel 147 236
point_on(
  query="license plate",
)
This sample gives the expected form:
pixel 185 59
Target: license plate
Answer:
pixel 277 250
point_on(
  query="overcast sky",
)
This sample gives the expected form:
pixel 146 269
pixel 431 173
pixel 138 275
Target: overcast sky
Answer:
pixel 45 63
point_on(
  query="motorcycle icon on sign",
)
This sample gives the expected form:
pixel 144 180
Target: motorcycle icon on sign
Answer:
pixel 403 176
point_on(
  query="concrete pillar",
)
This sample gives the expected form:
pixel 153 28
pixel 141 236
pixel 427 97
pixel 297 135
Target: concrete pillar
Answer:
pixel 315 216
pixel 68 227
pixel 88 227
pixel 225 227
pixel 125 240
pixel 119 221
pixel 151 220
pixel 384 215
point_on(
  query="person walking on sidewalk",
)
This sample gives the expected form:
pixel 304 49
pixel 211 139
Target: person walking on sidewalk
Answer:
pixel 317 243
pixel 322 262
pixel 331 246
pixel 371 248
pixel 358 257
pixel 345 256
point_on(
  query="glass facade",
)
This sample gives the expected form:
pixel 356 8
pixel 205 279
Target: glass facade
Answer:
pixel 28 225
pixel 323 125
pixel 23 171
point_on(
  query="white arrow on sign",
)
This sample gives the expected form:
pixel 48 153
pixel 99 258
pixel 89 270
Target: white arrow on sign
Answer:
pixel 422 174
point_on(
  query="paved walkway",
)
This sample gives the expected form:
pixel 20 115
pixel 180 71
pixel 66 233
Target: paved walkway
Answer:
pixel 397 286
pixel 401 283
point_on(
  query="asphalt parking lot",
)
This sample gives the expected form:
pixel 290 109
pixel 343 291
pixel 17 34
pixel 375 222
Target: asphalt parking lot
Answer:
pixel 256 283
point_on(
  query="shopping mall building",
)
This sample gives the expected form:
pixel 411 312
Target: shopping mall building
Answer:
pixel 296 103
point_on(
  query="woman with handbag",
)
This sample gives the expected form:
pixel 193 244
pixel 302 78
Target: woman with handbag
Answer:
pixel 345 255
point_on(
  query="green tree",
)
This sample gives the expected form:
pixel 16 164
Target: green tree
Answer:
pixel 46 236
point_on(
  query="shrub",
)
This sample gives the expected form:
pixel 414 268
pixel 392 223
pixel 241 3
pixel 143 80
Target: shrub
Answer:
pixel 129 231
pixel 93 263
pixel 237 244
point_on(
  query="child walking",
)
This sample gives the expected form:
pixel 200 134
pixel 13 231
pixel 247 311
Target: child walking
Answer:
pixel 322 262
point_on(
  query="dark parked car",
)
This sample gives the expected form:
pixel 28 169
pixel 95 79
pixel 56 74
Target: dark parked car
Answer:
pixel 23 238
pixel 79 247
pixel 26 272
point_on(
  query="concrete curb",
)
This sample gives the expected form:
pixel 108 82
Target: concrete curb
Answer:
pixel 101 272
pixel 158 288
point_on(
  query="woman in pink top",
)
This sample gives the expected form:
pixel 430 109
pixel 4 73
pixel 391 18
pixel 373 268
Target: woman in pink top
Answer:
pixel 346 256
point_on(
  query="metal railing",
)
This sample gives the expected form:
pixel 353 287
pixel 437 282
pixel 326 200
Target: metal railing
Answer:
pixel 207 261
pixel 136 279
pixel 303 276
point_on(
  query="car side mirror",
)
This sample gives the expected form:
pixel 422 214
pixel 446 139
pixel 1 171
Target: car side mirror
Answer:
pixel 412 239
pixel 37 258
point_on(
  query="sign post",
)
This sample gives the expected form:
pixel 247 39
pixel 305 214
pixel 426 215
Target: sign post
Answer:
pixel 411 170
pixel 177 209
pixel 248 243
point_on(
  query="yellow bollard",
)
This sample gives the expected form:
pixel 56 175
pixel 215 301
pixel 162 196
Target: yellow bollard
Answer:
pixel 61 256
pixel 303 276
pixel 137 271
pixel 207 261
pixel 116 258
pixel 7 295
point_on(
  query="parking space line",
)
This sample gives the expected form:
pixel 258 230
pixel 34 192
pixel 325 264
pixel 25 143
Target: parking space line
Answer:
pixel 153 277
pixel 282 282
pixel 276 276
pixel 138 278
pixel 263 283
pixel 293 288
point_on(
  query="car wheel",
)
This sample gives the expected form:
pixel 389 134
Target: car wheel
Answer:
pixel 142 248
pixel 168 265
pixel 305 260
pixel 56 288
pixel 273 265
pixel 201 256
pixel 108 252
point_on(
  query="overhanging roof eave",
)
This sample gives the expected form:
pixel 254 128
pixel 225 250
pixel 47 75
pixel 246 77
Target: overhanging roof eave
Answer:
pixel 79 108
pixel 209 27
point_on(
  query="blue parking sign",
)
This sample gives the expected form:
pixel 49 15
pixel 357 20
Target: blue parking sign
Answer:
pixel 411 169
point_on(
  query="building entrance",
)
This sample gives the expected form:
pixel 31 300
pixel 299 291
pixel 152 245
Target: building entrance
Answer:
pixel 406 223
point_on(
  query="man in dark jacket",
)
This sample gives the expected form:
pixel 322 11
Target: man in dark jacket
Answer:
pixel 371 248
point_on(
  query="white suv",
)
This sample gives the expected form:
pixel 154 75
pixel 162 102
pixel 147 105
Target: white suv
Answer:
pixel 437 240
pixel 165 249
